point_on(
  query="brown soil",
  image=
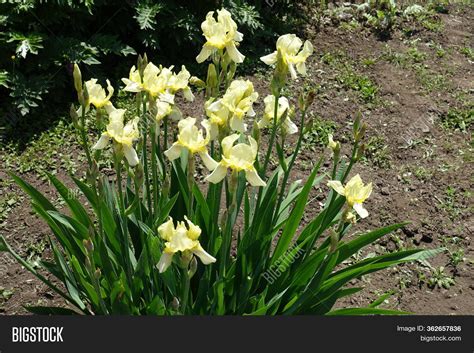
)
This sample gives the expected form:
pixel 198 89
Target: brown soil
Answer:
pixel 404 108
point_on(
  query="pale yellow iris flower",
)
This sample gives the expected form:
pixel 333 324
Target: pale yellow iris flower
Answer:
pixel 289 46
pixel 121 134
pixel 288 126
pixel 97 96
pixel 192 139
pixel 181 239
pixel 162 109
pixel 161 83
pixel 134 82
pixel 240 157
pixel 180 81
pixel 355 193
pixel 236 103
pixel 217 114
pixel 220 34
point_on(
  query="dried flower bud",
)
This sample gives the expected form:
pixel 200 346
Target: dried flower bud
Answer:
pixel 361 133
pixel 88 245
pixel 301 101
pixel 360 152
pixel 139 173
pixel 175 303
pixel 310 98
pixel 97 273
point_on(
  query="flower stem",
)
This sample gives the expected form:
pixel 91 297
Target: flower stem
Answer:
pixel 272 136
pixel 229 225
pixel 263 171
pixel 126 242
pixel 290 166
pixel 84 137
pixel 185 295
pixel 191 169
pixel 154 145
pixel 352 161
pixel 145 159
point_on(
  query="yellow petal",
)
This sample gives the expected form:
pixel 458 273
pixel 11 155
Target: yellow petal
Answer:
pixel 337 186
pixel 131 86
pixel 217 175
pixel 205 257
pixel 270 59
pixel 227 143
pixel 289 44
pixel 110 89
pixel 253 178
pixel 180 240
pixel 194 231
pixel 361 211
pixel 237 124
pixel 210 163
pixel 301 68
pixel 291 68
pixel 166 230
pixel 115 125
pixel 165 262
pixel 205 53
pixel 188 94
pixel 102 143
pixel 289 127
pixel 163 109
pixel 253 147
pixel 173 152
pixel 131 155
pixel 234 54
pixel 331 143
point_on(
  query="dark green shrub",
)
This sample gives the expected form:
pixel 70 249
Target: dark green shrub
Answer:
pixel 41 40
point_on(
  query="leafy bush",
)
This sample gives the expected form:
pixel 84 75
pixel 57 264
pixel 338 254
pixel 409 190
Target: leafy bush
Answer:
pixel 39 49
pixel 381 15
pixel 135 248
pixel 458 119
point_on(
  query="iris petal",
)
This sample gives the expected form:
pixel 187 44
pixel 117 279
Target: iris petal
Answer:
pixel 217 175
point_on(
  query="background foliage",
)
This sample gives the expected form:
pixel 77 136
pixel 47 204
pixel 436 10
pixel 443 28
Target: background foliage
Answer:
pixel 41 40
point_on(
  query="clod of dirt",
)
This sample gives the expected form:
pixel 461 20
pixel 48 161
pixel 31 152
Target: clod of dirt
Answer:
pixel 422 238
pixel 410 230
